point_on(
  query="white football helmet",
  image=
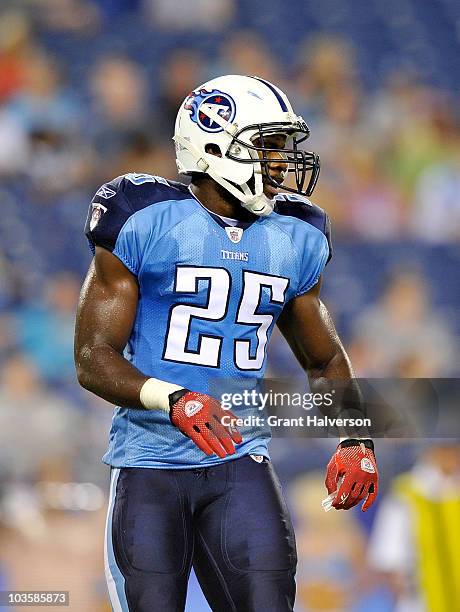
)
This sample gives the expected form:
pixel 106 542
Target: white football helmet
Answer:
pixel 235 113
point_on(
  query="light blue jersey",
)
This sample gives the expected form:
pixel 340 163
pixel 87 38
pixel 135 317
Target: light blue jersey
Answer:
pixel 210 295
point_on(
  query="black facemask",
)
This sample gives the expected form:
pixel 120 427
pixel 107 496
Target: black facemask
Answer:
pixel 304 164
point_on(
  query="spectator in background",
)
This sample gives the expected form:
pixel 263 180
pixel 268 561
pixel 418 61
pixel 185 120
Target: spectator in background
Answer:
pixel 79 16
pixel 181 70
pixel 43 101
pixel 14 144
pixel 41 440
pixel 414 543
pixel 329 96
pixel 418 138
pixel 39 131
pixel 15 50
pixel 373 207
pixel 331 551
pixel 436 212
pixel 119 106
pixel 58 165
pixel 141 153
pixel 207 15
pixel 7 336
pixel 401 335
pixel 36 421
pixel 390 108
pixel 44 331
pixel 326 70
pixel 246 52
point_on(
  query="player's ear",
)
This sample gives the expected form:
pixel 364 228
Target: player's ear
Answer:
pixel 213 149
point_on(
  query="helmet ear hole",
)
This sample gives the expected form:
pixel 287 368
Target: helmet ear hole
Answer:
pixel 213 149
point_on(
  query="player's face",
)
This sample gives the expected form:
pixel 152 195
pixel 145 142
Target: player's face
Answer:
pixel 277 168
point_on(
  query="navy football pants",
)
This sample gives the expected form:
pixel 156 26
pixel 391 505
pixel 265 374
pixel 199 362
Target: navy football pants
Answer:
pixel 230 521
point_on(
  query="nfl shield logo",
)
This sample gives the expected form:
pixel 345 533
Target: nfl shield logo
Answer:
pixel 234 233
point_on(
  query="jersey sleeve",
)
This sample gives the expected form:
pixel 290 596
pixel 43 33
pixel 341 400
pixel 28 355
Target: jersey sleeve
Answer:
pixel 129 245
pixel 315 256
pixel 108 212
pixel 112 222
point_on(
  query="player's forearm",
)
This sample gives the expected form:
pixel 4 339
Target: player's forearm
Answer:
pixel 103 371
pixel 336 366
pixel 336 375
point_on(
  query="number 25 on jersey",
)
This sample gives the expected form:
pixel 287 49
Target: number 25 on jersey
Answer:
pixel 216 309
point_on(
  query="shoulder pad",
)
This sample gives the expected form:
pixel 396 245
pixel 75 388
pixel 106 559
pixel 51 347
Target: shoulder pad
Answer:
pixel 294 205
pixel 145 189
pixel 115 201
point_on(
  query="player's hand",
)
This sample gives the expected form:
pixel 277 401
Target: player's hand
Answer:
pixel 199 417
pixel 354 464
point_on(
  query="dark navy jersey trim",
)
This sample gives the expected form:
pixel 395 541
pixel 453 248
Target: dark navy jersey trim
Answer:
pixel 241 224
pixel 124 197
pixel 275 92
pixel 307 212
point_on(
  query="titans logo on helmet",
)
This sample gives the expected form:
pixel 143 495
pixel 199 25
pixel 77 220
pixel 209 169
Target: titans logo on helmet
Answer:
pixel 214 100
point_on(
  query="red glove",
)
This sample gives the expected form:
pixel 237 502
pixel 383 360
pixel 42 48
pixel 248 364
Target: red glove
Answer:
pixel 199 417
pixel 354 461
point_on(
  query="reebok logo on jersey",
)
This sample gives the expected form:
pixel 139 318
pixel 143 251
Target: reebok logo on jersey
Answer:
pixel 234 233
pixel 192 407
pixel 366 465
pixel 106 192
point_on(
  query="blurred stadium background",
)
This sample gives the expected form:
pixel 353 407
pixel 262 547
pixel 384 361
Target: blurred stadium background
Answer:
pixel 89 89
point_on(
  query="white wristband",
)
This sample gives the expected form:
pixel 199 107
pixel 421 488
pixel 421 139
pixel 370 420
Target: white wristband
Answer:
pixel 155 393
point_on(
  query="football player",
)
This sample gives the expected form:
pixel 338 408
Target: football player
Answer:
pixel 183 292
